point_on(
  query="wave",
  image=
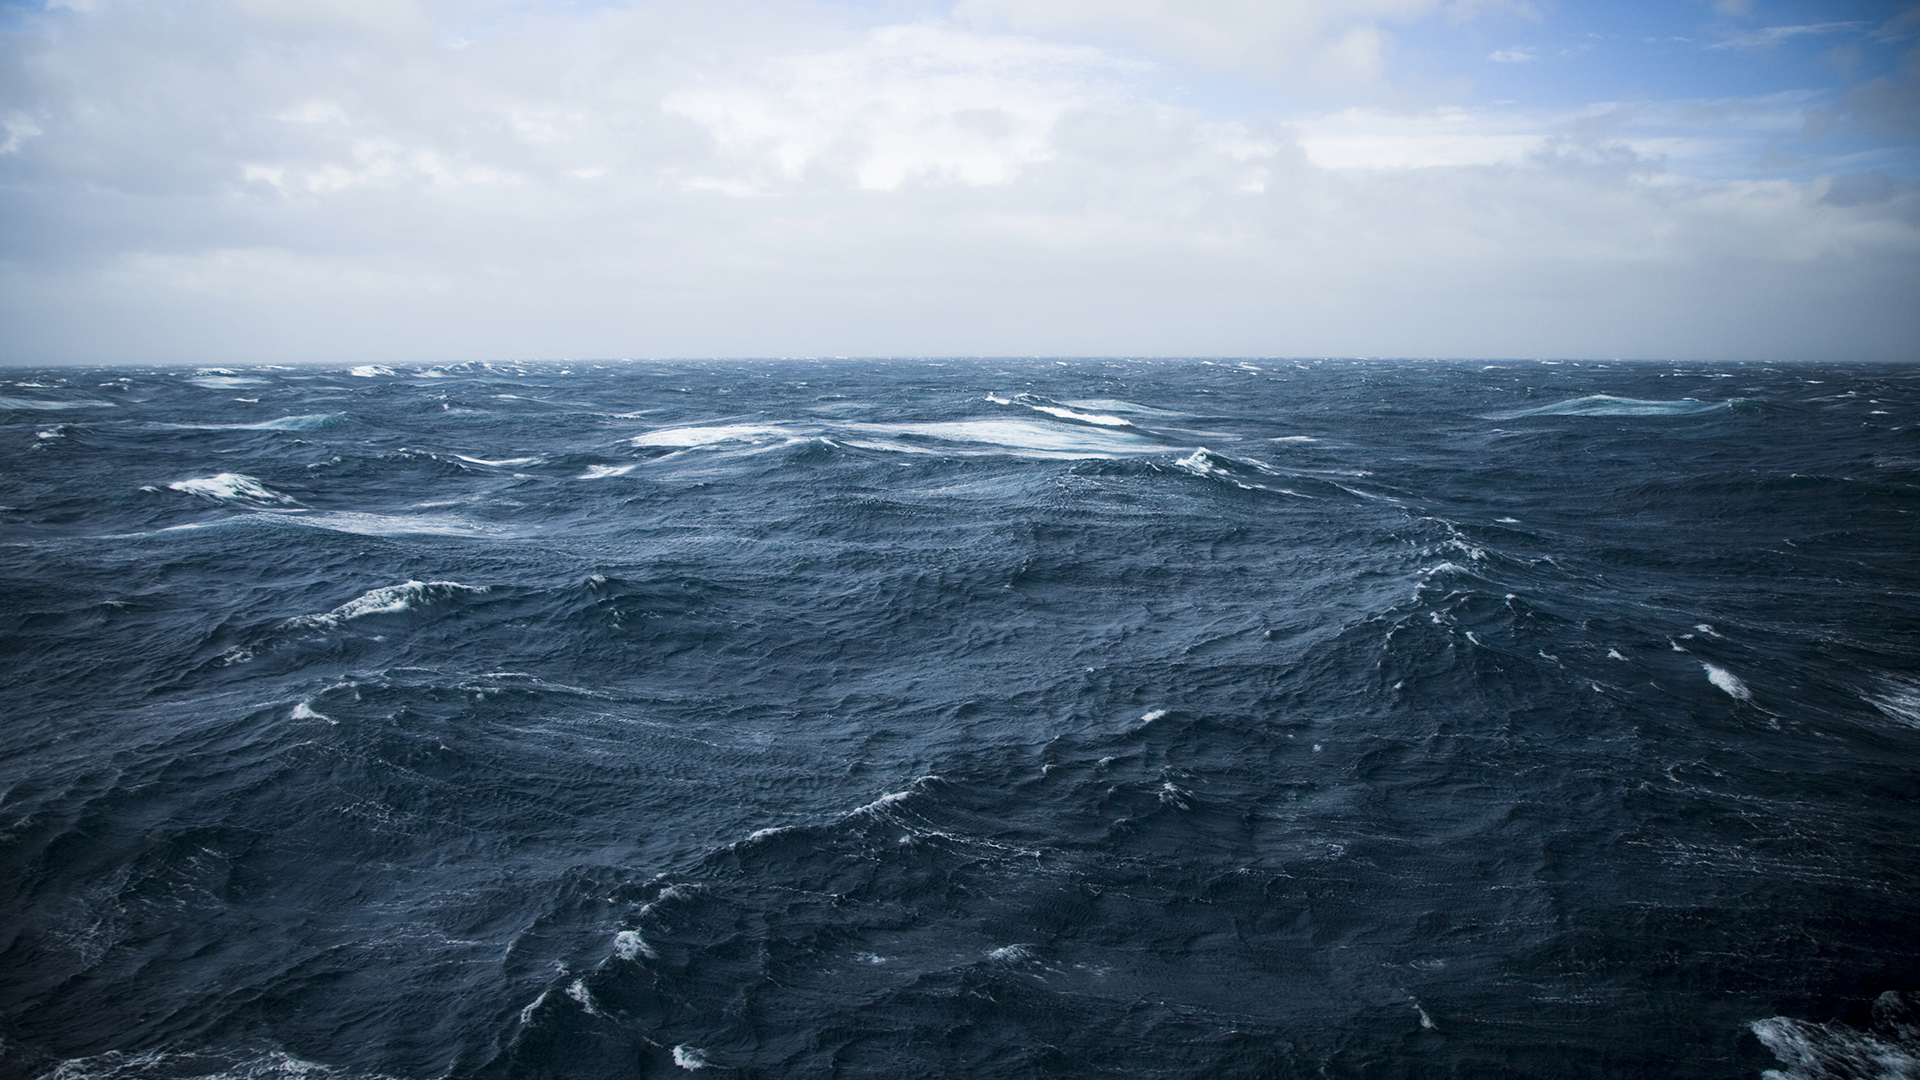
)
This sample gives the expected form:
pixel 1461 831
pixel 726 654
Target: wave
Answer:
pixel 37 405
pixel 387 600
pixel 1039 404
pixel 365 524
pixel 1015 437
pixel 712 436
pixel 230 487
pixel 309 422
pixel 1810 1051
pixel 1241 473
pixel 1114 405
pixel 1609 405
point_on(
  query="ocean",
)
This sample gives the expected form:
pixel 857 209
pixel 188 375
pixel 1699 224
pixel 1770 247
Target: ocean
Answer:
pixel 984 718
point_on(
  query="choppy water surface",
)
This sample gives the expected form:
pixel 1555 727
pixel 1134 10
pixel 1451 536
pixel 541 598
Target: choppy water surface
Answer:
pixel 976 719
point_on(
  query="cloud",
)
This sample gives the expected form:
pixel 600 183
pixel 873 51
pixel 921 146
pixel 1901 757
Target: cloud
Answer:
pixel 1318 42
pixel 1512 56
pixel 209 184
pixel 925 102
pixel 1770 36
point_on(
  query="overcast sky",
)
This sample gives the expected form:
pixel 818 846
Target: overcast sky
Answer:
pixel 268 181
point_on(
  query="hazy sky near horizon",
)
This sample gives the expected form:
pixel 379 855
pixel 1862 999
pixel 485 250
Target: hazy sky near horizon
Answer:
pixel 266 181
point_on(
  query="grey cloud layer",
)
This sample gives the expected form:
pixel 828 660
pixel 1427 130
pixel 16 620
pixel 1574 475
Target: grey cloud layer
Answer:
pixel 261 180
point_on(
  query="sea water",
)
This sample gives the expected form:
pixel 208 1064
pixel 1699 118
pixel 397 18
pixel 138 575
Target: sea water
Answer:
pixel 966 718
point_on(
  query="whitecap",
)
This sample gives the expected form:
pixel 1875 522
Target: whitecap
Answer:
pixel 881 803
pixel 689 1057
pixel 501 463
pixel 601 472
pixel 1609 405
pixel 708 436
pixel 629 945
pixel 1728 681
pixel 1064 413
pixel 1901 701
pixel 1010 954
pixel 388 600
pixel 1152 716
pixel 370 371
pixel 230 487
pixel 1016 437
pixel 577 990
pixel 1113 405
pixel 225 382
pixel 363 524
pixel 202 1065
pixel 44 406
pixel 309 422
pixel 304 711
pixel 1831 1051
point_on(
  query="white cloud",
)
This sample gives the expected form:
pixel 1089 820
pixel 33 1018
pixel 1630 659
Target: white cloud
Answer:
pixel 1769 36
pixel 1512 56
pixel 19 128
pixel 672 179
pixel 921 102
pixel 1318 41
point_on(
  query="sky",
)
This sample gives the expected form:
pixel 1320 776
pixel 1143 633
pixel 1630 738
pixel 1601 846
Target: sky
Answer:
pixel 223 182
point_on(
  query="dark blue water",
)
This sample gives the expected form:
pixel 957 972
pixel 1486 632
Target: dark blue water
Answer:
pixel 979 719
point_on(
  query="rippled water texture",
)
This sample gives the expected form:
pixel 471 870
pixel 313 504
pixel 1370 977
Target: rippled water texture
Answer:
pixel 975 719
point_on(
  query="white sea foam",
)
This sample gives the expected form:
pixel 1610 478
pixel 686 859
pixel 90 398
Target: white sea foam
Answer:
pixel 47 406
pixel 225 382
pixel 1614 654
pixel 1901 701
pixel 1064 413
pixel 304 711
pixel 1014 437
pixel 230 487
pixel 1011 954
pixel 501 463
pixel 629 945
pixel 881 803
pixel 1018 437
pixel 353 521
pixel 370 371
pixel 192 1065
pixel 708 436
pixel 689 1057
pixel 577 990
pixel 1728 681
pixel 1114 405
pixel 308 422
pixel 388 600
pixel 1152 716
pixel 1609 405
pixel 601 472
pixel 1832 1052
